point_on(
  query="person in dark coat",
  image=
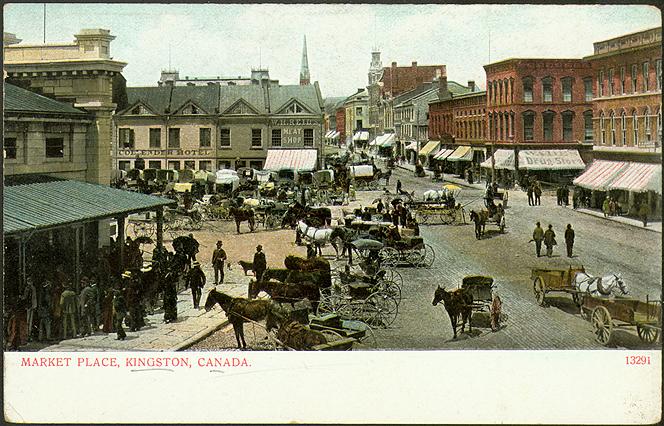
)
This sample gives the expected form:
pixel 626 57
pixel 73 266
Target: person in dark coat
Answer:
pixel 133 301
pixel 260 263
pixel 403 215
pixel 170 298
pixel 44 311
pixel 196 281
pixel 569 239
pixel 398 186
pixel 119 313
pixel 549 240
pixel 531 200
pixel 538 193
pixel 380 206
pixel 218 259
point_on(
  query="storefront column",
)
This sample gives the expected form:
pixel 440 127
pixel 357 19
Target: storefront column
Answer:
pixel 160 228
pixel 121 241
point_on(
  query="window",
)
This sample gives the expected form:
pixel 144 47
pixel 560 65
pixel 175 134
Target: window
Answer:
pixel 205 165
pixel 256 164
pixel 500 127
pixel 600 84
pixel 155 138
pixel 358 110
pixel 613 128
pixel 547 89
pixel 55 147
pixel 189 164
pixel 646 123
pixel 174 165
pixel 295 109
pixel 10 148
pixel 567 89
pixel 174 138
pixel 646 68
pixel 126 138
pixel 276 137
pixel 154 164
pixel 623 129
pixel 635 128
pixel 223 164
pixel 658 72
pixel 511 125
pixel 512 90
pixel 225 137
pixel 500 92
pixel 489 91
pixel 124 165
pixel 588 126
pixel 528 125
pixel 205 137
pixel 588 89
pixel 568 130
pixel 602 129
pixel 611 82
pixel 256 138
pixel 547 126
pixel 622 80
pixel 309 137
pixel 634 73
pixel 527 90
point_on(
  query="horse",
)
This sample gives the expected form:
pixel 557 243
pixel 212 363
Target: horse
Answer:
pixel 610 285
pixel 343 235
pixel 279 274
pixel 435 195
pixel 287 293
pixel 319 216
pixel 321 236
pixel 457 303
pixel 480 220
pixel 242 214
pixel 291 333
pixel 238 311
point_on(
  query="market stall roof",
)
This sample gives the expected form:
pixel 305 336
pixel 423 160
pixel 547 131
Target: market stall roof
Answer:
pixel 639 177
pixel 462 153
pixel 412 146
pixel 388 140
pixel 504 159
pixel 51 204
pixel 599 173
pixel 550 159
pixel 430 147
pixel 443 154
pixel 303 160
pixel 361 136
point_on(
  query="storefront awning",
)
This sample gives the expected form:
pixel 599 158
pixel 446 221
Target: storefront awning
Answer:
pixel 504 159
pixel 431 146
pixel 299 160
pixel 550 159
pixel 598 175
pixel 639 177
pixel 51 204
pixel 412 146
pixel 388 141
pixel 462 153
pixel 329 133
pixel 443 154
pixel 361 136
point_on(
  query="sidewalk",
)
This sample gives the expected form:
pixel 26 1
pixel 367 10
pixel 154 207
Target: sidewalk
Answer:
pixel 652 226
pixel 192 324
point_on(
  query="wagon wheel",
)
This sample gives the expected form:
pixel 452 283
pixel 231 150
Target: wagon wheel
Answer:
pixel 602 325
pixel 328 304
pixel 392 289
pixel 389 256
pixel 392 275
pixel 415 255
pixel 380 309
pixel 428 257
pixel 539 288
pixel 271 221
pixel 373 185
pixel 646 333
pixel 447 218
pixel 331 335
pixel 422 217
pixel 584 313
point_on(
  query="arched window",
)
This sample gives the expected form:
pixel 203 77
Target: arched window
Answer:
pixel 602 134
pixel 588 126
pixel 488 90
pixel 568 129
pixel 500 91
pixel 501 126
pixel 547 89
pixel 623 128
pixel 527 89
pixel 613 128
pixel 567 89
pixel 646 124
pixel 635 128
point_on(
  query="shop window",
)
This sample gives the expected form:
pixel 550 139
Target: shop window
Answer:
pixel 205 165
pixel 611 82
pixel 174 165
pixel 528 126
pixel 568 129
pixel 527 89
pixel 55 147
pixel 623 128
pixel 124 165
pixel 588 126
pixel 155 138
pixel 10 148
pixel 126 138
pixel 174 138
pixel 205 137
pixel 256 164
pixel 613 128
pixel 276 137
pixel 567 89
pixel 658 72
pixel 588 89
pixel 622 80
pixel 154 164
pixel 224 138
pixel 189 164
pixel 600 84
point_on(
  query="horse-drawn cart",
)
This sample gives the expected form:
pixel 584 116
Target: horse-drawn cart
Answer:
pixel 484 299
pixel 607 314
pixel 556 280
pixel 428 212
pixel 364 177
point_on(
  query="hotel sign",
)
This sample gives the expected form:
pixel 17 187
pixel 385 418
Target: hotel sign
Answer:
pixel 165 152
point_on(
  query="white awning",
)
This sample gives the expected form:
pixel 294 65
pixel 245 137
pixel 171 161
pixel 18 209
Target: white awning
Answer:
pixel 443 154
pixel 377 140
pixel 599 173
pixel 335 135
pixel 550 159
pixel 504 159
pixel 291 159
pixel 639 177
pixel 361 171
pixel 412 146
pixel 430 147
pixel 329 133
pixel 361 136
pixel 462 153
pixel 388 141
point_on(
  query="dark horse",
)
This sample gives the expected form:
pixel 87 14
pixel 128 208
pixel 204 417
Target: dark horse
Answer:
pixel 317 217
pixel 242 214
pixel 287 293
pixel 238 311
pixel 292 334
pixel 457 303
pixel 480 221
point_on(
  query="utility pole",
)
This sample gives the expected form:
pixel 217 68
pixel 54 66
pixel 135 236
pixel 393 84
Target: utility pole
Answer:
pixel 44 23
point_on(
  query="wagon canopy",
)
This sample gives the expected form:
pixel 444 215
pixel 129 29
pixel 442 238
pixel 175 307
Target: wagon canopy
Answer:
pixel 226 176
pixel 476 280
pixel 361 171
pixel 367 244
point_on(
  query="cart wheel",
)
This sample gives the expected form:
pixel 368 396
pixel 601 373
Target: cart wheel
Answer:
pixel 391 288
pixel 328 304
pixel 584 313
pixel 389 256
pixel 422 218
pixel 539 288
pixel 380 309
pixel 394 276
pixel 428 257
pixel 447 218
pixel 602 325
pixel 646 333
pixel 415 255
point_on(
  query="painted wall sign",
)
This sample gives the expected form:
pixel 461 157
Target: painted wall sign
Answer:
pixel 165 152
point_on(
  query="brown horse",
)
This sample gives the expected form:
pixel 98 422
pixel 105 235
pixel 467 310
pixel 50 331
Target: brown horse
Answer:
pixel 480 218
pixel 291 333
pixel 242 214
pixel 457 303
pixel 287 293
pixel 238 311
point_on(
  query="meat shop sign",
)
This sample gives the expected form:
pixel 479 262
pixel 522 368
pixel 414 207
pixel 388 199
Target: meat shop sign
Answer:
pixel 165 152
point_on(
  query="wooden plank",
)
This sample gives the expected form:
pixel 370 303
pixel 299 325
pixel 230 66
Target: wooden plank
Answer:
pixel 337 345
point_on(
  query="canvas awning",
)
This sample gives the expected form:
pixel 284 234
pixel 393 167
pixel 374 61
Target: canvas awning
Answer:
pixel 412 146
pixel 443 154
pixel 361 136
pixel 504 159
pixel 329 134
pixel 462 153
pixel 431 146
pixel 598 175
pixel 361 171
pixel 639 177
pixel 302 160
pixel 550 159
pixel 377 140
pixel 388 140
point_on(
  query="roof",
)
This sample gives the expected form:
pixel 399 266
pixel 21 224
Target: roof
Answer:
pixel 306 95
pixel 158 99
pixel 413 93
pixel 291 159
pixel 206 97
pixel 22 100
pixel 51 204
pixel 252 95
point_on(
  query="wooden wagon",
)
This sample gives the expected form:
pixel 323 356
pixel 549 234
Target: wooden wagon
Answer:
pixel 481 288
pixel 556 280
pixel 607 314
pixel 428 212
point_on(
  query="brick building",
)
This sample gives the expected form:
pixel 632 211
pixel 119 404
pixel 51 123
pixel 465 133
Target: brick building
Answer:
pixel 341 120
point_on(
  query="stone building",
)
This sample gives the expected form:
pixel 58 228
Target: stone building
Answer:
pixel 172 77
pixel 356 116
pixel 215 127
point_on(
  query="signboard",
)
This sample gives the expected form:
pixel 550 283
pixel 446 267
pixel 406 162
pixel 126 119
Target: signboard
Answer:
pixel 550 159
pixel 294 122
pixel 165 152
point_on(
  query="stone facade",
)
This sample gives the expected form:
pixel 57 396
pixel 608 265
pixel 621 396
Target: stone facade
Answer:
pixel 357 112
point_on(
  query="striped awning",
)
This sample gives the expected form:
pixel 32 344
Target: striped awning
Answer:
pixel 599 174
pixel 430 147
pixel 443 154
pixel 639 177
pixel 291 159
pixel 462 153
pixel 503 159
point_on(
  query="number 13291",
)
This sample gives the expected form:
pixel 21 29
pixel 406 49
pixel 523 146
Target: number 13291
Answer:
pixel 637 359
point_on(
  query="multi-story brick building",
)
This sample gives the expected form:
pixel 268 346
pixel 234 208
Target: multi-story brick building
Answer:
pixel 341 128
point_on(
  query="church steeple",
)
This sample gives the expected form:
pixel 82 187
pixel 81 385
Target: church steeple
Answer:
pixel 304 69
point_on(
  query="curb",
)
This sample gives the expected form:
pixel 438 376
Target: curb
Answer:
pixel 198 336
pixel 617 221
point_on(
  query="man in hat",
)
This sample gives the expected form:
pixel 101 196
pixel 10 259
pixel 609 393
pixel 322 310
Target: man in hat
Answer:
pixel 538 237
pixel 218 259
pixel 133 303
pixel 549 240
pixel 44 310
pixel 569 239
pixel 260 264
pixel 119 313
pixel 88 301
pixel 196 280
pixel 68 308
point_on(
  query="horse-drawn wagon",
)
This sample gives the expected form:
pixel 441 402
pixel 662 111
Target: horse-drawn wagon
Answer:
pixel 485 300
pixel 482 217
pixel 365 176
pixel 429 212
pixel 556 280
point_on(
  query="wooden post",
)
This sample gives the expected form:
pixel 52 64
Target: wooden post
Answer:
pixel 77 257
pixel 121 241
pixel 160 227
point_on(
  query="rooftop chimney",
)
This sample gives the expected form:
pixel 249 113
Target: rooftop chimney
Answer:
pixel 414 64
pixel 471 85
pixel 443 91
pixel 394 64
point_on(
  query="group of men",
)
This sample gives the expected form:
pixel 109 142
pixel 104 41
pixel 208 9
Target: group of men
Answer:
pixel 548 237
pixel 534 192
pixel 562 195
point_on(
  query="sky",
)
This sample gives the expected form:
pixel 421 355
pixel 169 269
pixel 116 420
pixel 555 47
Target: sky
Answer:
pixel 228 40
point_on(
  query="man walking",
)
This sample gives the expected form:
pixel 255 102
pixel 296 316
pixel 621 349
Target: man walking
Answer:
pixel 569 239
pixel 88 300
pixel 68 309
pixel 549 240
pixel 538 193
pixel 44 311
pixel 30 299
pixel 260 263
pixel 538 236
pixel 398 186
pixel 644 212
pixel 531 200
pixel 218 259
pixel 119 313
pixel 196 280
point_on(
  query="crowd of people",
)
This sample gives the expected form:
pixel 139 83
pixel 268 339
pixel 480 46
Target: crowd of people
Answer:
pixel 548 238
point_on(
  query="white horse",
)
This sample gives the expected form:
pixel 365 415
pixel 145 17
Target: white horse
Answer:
pixel 605 286
pixel 321 236
pixel 434 195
